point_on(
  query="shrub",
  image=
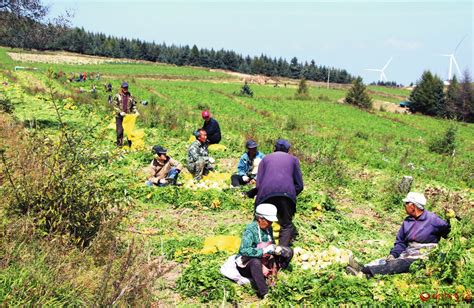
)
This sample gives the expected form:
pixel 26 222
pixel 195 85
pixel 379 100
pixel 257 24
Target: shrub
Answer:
pixel 303 90
pixel 6 105
pixel 246 91
pixel 445 144
pixel 358 96
pixel 291 123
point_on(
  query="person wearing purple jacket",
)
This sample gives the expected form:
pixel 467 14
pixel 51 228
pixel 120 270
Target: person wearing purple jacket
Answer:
pixel 279 181
pixel 420 232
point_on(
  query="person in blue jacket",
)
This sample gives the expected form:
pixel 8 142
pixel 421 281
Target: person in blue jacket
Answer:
pixel 248 165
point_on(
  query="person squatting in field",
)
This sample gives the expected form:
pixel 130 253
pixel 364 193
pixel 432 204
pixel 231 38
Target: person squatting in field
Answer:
pixel 164 170
pixel 211 126
pixel 248 165
pixel 279 181
pixel 258 257
pixel 199 162
pixel 124 103
pixel 419 233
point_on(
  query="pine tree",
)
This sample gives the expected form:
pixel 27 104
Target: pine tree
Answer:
pixel 358 96
pixel 303 90
pixel 465 104
pixel 428 96
pixel 452 99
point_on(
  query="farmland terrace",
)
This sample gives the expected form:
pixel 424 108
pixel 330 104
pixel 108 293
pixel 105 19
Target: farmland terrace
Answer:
pixel 352 161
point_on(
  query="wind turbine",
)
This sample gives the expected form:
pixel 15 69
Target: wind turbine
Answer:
pixel 452 60
pixel 382 77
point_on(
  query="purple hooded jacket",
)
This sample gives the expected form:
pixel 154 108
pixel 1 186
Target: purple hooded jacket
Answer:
pixel 279 174
pixel 428 228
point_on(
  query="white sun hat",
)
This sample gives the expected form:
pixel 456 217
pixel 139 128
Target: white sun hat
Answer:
pixel 267 211
pixel 416 198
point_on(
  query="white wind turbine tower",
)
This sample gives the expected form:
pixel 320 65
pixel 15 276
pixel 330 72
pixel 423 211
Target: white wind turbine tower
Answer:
pixel 452 60
pixel 382 77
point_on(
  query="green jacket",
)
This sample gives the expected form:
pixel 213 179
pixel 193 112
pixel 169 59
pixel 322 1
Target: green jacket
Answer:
pixel 250 240
pixel 118 104
pixel 197 151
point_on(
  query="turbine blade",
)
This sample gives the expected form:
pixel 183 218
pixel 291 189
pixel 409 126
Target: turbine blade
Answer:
pixel 386 64
pixel 457 46
pixel 457 67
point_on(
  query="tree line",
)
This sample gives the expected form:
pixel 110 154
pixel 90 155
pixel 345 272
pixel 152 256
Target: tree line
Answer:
pixel 28 33
pixel 456 102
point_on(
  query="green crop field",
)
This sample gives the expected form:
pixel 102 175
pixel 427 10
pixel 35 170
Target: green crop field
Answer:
pixel 352 161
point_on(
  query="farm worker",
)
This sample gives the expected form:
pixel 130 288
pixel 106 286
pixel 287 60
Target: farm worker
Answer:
pixel 258 256
pixel 211 126
pixel 124 103
pixel 420 232
pixel 199 162
pixel 248 165
pixel 164 169
pixel 279 181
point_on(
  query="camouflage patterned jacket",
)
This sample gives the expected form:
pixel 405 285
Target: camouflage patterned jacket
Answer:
pixel 196 151
pixel 119 106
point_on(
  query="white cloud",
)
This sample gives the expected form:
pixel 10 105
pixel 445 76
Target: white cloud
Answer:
pixel 402 44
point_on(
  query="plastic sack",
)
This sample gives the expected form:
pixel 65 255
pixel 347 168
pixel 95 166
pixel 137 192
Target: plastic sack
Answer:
pixel 217 243
pixel 137 137
pixel 217 148
pixel 229 270
pixel 129 124
pixel 191 139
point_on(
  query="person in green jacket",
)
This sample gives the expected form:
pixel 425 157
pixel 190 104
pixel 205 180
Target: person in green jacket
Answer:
pixel 258 256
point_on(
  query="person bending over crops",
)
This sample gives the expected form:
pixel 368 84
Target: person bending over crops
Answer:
pixel 248 165
pixel 164 170
pixel 124 103
pixel 258 257
pixel 199 162
pixel 279 181
pixel 420 232
pixel 211 126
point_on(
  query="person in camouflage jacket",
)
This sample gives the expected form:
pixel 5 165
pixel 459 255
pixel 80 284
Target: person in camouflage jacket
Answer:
pixel 199 162
pixel 124 103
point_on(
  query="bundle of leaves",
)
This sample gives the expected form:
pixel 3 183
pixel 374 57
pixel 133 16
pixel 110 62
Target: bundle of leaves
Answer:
pixel 202 280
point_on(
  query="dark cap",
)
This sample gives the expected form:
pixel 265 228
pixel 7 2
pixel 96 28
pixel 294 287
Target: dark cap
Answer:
pixel 124 85
pixel 251 144
pixel 159 150
pixel 282 145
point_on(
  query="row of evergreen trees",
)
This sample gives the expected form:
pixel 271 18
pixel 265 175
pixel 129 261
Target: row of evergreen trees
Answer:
pixel 430 98
pixel 31 34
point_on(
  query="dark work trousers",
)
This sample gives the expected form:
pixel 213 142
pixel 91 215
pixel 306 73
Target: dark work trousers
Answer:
pixel 236 180
pixel 119 128
pixel 396 266
pixel 254 272
pixel 286 209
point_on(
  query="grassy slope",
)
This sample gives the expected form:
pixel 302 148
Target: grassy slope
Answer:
pixel 370 151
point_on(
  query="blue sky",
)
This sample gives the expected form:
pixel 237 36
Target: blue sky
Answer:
pixel 345 34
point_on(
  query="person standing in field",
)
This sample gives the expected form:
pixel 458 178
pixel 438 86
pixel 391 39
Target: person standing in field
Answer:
pixel 124 103
pixel 279 181
pixel 211 126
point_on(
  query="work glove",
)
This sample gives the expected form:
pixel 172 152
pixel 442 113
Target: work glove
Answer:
pixel 122 114
pixel 163 181
pixel 212 160
pixel 389 258
pixel 245 178
pixel 269 249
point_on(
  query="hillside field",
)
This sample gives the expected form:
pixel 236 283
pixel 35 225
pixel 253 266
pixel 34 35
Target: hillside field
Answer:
pixel 352 161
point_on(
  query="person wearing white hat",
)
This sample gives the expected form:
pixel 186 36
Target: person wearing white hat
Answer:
pixel 421 229
pixel 256 259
